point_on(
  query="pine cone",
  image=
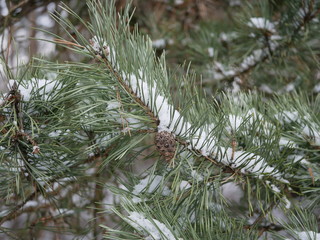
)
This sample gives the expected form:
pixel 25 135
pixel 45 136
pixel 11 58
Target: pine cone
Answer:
pixel 166 144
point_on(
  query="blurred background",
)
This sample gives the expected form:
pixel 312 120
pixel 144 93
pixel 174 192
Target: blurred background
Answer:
pixel 215 36
pixel 173 25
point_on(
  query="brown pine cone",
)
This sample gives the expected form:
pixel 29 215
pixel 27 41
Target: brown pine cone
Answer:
pixel 166 144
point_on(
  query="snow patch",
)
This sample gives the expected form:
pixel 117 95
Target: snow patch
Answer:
pixel 284 142
pixel 178 2
pixel 232 192
pixel 56 133
pixel 287 116
pixel 113 104
pixel 313 134
pixel 31 203
pixel 265 88
pixel 306 235
pixel 316 88
pixel 234 3
pixel 4 11
pixel 289 87
pixel 154 229
pixel 184 185
pixel 235 122
pixel 149 185
pixel 261 23
pixel 211 51
pixel 159 43
pixel 40 87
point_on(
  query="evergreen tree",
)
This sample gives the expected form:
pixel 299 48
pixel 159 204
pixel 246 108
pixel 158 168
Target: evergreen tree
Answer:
pixel 118 146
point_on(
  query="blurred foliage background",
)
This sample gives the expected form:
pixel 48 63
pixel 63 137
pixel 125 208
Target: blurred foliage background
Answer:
pixel 212 35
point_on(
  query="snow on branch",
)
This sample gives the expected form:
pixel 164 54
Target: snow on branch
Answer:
pixel 261 23
pixel 201 140
pixel 305 235
pixel 221 72
pixel 149 185
pixel 42 87
pixel 152 229
pixel 306 128
pixel 272 45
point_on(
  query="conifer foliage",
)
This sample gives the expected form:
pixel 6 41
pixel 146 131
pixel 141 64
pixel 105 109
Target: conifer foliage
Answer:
pixel 119 147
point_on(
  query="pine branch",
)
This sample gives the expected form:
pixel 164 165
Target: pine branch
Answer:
pixel 129 90
pixel 168 119
pixel 198 147
pixel 17 209
pixel 12 214
pixel 121 95
pixel 268 51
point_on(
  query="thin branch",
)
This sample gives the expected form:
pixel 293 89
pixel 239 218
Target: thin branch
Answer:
pixel 129 90
pixel 15 211
pixel 262 216
pixel 224 167
pixel 239 71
